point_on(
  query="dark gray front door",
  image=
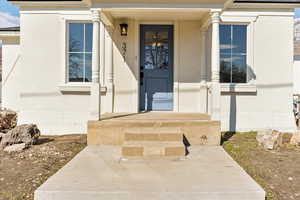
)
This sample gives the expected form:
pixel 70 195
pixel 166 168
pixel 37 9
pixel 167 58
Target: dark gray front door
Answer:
pixel 156 72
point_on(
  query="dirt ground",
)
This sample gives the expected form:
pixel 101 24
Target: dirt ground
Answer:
pixel 21 173
pixel 277 171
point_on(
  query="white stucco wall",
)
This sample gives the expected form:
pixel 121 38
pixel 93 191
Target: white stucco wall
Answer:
pixel 33 87
pixel 40 70
pixel 10 73
pixel 271 107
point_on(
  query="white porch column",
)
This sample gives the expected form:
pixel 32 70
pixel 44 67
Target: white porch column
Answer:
pixel 95 105
pixel 215 67
pixel 109 67
pixel 102 53
pixel 215 48
pixel 203 75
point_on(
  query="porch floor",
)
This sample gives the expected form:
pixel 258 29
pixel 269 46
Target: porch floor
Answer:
pixel 155 116
pixel 209 173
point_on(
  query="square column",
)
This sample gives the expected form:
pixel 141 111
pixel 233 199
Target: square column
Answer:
pixel 215 48
pixel 203 71
pixel 215 67
pixel 95 105
pixel 109 69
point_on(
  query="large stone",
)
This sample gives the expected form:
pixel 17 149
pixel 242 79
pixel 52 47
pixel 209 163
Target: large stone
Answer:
pixel 295 140
pixel 8 120
pixel 269 139
pixel 15 148
pixel 1 135
pixel 27 133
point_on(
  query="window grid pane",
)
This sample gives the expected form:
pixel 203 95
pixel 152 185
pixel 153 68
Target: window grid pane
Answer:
pixel 80 52
pixel 233 53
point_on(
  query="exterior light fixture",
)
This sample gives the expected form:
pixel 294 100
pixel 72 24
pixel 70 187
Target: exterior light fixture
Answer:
pixel 124 29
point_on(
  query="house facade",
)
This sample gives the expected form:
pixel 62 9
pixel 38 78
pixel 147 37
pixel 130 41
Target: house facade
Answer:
pixel 72 61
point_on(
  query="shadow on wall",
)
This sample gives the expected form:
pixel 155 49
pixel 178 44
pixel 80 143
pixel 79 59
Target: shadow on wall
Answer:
pixel 233 101
pixel 251 76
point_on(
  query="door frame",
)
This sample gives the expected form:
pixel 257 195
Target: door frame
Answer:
pixel 174 65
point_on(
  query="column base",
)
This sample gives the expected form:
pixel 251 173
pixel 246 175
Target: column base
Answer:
pixel 95 104
pixel 215 101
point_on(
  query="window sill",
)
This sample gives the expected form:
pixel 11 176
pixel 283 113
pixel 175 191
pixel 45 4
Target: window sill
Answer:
pixel 243 88
pixel 75 87
pixel 69 87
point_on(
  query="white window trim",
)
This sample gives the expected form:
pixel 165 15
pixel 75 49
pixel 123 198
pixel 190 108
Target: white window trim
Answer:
pixel 233 18
pixel 239 87
pixel 65 85
pixel 75 87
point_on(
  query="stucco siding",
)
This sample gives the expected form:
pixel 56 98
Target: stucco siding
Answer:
pixel 271 107
pixel 126 70
pixel 41 70
pixel 189 66
pixel 11 74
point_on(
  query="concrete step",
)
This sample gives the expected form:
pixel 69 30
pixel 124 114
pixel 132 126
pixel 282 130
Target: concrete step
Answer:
pixel 153 149
pixel 197 130
pixel 158 135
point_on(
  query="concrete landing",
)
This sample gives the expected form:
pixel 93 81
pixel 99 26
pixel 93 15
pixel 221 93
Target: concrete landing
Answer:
pixel 97 172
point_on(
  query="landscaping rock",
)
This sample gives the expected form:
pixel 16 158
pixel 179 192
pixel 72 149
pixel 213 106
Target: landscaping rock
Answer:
pixel 27 133
pixel 8 120
pixel 269 139
pixel 15 148
pixel 295 139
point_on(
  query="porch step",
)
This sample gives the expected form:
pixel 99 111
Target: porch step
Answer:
pixel 157 135
pixel 153 142
pixel 153 149
pixel 198 129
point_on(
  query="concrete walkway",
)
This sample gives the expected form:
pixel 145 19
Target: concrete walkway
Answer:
pixel 97 173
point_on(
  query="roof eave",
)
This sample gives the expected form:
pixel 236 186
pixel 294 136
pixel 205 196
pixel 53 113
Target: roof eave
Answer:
pixel 269 1
pixel 49 3
pixel 266 3
pixel 9 34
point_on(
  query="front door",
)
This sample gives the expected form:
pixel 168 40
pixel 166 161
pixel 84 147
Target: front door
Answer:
pixel 156 72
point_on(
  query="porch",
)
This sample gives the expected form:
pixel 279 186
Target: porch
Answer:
pixel 119 70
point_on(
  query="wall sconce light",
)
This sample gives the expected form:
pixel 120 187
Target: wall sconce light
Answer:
pixel 124 29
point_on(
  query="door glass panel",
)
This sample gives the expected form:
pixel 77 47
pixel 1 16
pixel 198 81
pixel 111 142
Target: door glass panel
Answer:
pixel 156 50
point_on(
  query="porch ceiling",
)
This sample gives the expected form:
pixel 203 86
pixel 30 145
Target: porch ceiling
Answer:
pixel 158 14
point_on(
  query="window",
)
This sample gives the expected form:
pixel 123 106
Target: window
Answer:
pixel 233 53
pixel 80 36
